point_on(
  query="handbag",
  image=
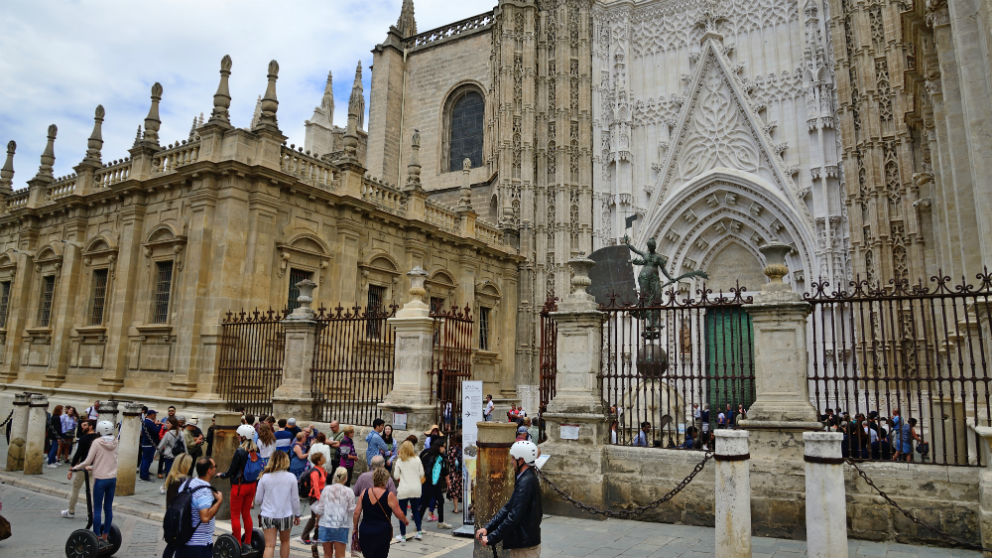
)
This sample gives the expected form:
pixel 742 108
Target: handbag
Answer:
pixel 4 528
pixel 385 493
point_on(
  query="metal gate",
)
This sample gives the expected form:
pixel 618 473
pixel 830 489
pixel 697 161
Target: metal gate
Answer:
pixel 353 363
pixel 548 361
pixel 452 363
pixel 252 350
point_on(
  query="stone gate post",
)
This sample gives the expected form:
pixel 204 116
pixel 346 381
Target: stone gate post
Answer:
pixel 226 440
pixel 781 411
pixel 414 348
pixel 108 411
pixel 576 419
pixel 826 524
pixel 732 484
pixel 128 453
pixel 18 432
pixel 34 447
pixel 985 488
pixel 294 396
pixel 494 475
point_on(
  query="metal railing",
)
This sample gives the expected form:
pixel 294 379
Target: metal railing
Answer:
pixel 353 363
pixel 672 362
pixel 883 357
pixel 252 351
pixel 548 360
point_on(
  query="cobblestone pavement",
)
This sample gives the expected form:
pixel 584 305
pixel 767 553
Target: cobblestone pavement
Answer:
pixel 32 504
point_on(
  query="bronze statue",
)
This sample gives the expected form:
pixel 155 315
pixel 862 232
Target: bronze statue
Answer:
pixel 650 283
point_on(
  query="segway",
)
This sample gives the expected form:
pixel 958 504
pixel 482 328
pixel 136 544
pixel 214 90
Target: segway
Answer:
pixel 226 546
pixel 83 543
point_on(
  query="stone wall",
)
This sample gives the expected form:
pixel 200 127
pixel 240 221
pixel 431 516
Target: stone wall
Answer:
pixel 946 497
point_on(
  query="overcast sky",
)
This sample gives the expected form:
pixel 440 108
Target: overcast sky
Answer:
pixel 59 59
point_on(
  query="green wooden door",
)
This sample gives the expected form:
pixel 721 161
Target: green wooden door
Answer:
pixel 729 359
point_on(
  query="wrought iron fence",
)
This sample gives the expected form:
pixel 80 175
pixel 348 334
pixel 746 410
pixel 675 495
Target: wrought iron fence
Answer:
pixel 353 363
pixel 451 362
pixel 548 362
pixel 675 364
pixel 252 350
pixel 883 358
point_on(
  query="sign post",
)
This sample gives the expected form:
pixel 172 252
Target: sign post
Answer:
pixel 471 415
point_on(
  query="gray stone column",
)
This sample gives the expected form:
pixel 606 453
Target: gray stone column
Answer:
pixel 732 486
pixel 576 419
pixel 414 349
pixel 826 506
pixel 108 411
pixel 34 448
pixel 294 396
pixel 18 432
pixel 985 488
pixel 494 475
pixel 225 443
pixel 128 448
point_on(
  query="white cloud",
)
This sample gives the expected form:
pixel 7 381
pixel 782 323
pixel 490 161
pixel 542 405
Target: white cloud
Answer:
pixel 60 59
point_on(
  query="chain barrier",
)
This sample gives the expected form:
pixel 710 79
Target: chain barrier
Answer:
pixel 632 513
pixel 7 420
pixel 910 515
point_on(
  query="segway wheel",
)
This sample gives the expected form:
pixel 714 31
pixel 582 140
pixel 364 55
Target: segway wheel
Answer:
pixel 115 540
pixel 226 546
pixel 82 543
pixel 258 541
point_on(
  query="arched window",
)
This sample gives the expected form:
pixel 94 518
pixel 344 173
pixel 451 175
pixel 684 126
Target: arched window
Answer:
pixel 465 115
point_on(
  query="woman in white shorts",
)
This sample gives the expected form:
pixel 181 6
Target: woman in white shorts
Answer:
pixel 278 499
pixel 336 507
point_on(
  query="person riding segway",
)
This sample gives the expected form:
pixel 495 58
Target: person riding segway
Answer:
pixel 105 538
pixel 246 466
pixel 518 523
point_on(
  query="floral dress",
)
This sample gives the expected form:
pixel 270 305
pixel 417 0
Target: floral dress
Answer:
pixel 454 472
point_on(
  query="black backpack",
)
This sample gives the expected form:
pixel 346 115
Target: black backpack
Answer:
pixel 177 525
pixel 179 446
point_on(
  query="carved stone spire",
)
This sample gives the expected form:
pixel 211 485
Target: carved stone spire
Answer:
pixel 327 101
pixel 152 121
pixel 269 104
pixel 7 172
pixel 257 114
pixel 48 156
pixel 137 137
pixel 465 191
pixel 407 24
pixel 222 98
pixel 356 104
pixel 413 167
pixel 95 143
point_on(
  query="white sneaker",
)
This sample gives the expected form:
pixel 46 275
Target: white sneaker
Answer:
pixel 419 536
pixel 443 525
pixel 161 490
pixel 68 514
pixel 52 466
pixel 399 538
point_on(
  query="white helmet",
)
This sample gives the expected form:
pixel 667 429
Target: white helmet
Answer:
pixel 524 449
pixel 105 428
pixel 246 431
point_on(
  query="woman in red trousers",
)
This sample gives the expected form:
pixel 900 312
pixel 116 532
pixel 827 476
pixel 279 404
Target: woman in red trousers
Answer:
pixel 246 466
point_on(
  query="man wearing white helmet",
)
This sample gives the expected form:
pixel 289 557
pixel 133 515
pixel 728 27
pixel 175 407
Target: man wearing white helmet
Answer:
pixel 518 523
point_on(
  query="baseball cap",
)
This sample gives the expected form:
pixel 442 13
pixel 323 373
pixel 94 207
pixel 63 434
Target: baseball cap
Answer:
pixel 522 429
pixel 291 421
pixel 193 420
pixel 181 418
pixel 151 412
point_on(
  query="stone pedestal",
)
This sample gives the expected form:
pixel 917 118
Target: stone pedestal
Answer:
pixel 108 411
pixel 494 475
pixel 294 396
pixel 18 432
pixel 576 420
pixel 414 348
pixel 826 506
pixel 128 448
pixel 34 447
pixel 225 443
pixel 732 486
pixel 985 488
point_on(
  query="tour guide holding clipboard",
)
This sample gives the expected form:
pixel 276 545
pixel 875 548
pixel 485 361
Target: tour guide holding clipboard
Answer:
pixel 518 523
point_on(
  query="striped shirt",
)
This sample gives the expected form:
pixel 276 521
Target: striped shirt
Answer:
pixel 202 500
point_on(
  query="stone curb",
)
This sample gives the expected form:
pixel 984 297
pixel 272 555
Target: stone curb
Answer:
pixel 22 481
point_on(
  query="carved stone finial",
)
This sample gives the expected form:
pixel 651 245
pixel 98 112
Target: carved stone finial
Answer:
pixel 304 311
pixel 7 172
pixel 48 156
pixel 413 167
pixel 269 104
pixel 95 143
pixel 222 98
pixel 356 104
pixel 137 137
pixel 775 266
pixel 416 307
pixel 407 23
pixel 152 121
pixel 257 115
pixel 465 197
pixel 327 101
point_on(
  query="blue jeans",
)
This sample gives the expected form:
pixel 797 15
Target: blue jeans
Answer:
pixel 195 551
pixel 147 454
pixel 417 516
pixel 166 464
pixel 53 451
pixel 103 495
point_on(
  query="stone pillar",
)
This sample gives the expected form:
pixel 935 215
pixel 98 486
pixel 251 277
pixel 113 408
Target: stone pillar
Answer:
pixel 494 475
pixel 18 432
pixel 128 447
pixel 108 411
pixel 826 527
pixel 34 447
pixel 732 485
pixel 225 444
pixel 576 419
pixel 414 348
pixel 985 488
pixel 950 432
pixel 294 397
